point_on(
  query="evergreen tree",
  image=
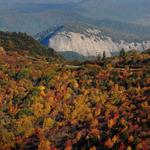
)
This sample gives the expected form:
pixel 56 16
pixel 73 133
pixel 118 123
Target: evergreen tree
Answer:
pixel 99 57
pixel 122 52
pixel 104 56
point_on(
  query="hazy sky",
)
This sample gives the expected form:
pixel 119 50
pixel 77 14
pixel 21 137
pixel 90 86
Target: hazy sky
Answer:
pixel 39 1
pixel 4 4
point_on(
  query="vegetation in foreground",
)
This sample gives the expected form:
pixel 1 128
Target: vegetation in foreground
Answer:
pixel 97 105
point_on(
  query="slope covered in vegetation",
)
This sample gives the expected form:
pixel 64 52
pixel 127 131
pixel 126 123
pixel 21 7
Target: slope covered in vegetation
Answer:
pixel 97 105
pixel 22 42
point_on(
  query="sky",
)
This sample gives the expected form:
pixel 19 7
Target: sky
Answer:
pixel 39 1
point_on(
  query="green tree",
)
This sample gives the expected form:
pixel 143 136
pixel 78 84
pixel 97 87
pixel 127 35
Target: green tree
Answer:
pixel 104 56
pixel 122 52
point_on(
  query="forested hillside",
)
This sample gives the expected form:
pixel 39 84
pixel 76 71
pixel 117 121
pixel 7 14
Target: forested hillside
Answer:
pixel 12 41
pixel 101 104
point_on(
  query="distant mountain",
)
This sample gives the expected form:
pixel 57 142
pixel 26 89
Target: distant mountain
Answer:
pixel 32 16
pixel 89 41
pixel 131 11
pixel 124 31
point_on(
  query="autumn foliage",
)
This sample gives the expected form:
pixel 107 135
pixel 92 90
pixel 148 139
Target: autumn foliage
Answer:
pixel 49 106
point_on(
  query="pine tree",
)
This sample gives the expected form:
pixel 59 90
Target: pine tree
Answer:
pixel 104 56
pixel 122 52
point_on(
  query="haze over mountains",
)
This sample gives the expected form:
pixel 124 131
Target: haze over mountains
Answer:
pixel 119 20
pixel 33 16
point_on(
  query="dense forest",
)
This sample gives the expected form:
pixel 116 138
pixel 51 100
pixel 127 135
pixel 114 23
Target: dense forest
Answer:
pixel 49 105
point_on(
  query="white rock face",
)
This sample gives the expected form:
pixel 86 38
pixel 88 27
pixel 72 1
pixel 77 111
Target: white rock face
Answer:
pixel 136 46
pixel 91 43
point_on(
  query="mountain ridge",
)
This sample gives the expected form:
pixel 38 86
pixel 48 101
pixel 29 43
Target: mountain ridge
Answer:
pixel 87 40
